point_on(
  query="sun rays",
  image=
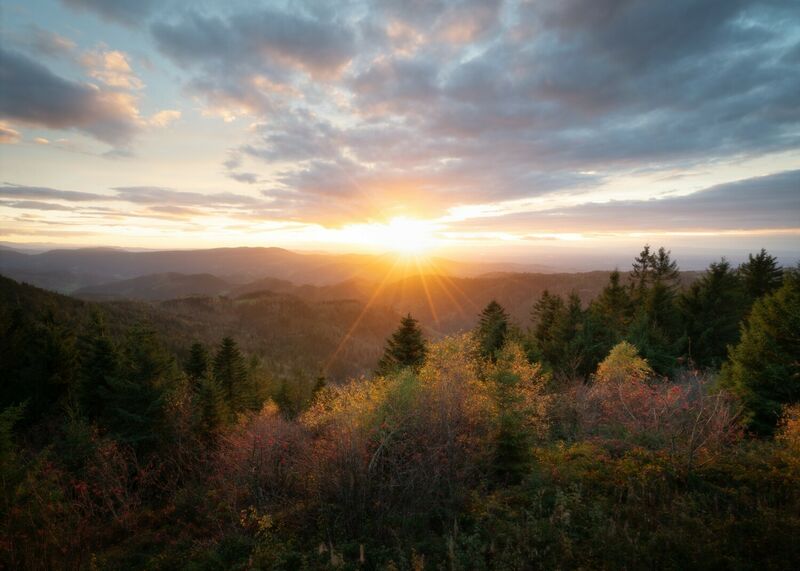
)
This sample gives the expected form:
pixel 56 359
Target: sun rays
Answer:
pixel 406 267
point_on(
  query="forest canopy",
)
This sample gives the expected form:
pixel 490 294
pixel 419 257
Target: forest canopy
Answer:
pixel 655 426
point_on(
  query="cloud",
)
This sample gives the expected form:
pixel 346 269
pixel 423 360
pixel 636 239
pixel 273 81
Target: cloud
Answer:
pixel 244 63
pixel 769 202
pixel 111 67
pixel 468 102
pixel 49 43
pixel 33 94
pixel 128 12
pixel 164 118
pixel 33 205
pixel 8 135
pixel 155 195
pixel 9 190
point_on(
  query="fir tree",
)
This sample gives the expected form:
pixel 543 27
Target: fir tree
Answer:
pixel 492 329
pixel 764 367
pixel 546 313
pixel 404 349
pixel 665 269
pixel 712 308
pixel 211 408
pixel 642 269
pixel 100 363
pixel 613 309
pixel 761 275
pixel 512 452
pixel 230 373
pixel 134 398
pixel 198 364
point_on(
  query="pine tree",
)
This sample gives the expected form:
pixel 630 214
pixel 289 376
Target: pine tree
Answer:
pixel 210 406
pixel 134 398
pixel 763 369
pixel 512 456
pixel 712 309
pixel 761 275
pixel 100 363
pixel 613 309
pixel 230 373
pixel 656 328
pixel 492 329
pixel 664 268
pixel 546 313
pixel 198 364
pixel 404 349
pixel 642 269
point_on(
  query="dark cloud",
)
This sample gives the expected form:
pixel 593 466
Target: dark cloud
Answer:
pixel 128 12
pixel 32 94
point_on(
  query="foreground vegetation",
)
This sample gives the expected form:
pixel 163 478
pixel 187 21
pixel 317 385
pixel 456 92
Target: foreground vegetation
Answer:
pixel 600 437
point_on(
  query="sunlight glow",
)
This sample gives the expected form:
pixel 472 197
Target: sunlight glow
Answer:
pixel 405 236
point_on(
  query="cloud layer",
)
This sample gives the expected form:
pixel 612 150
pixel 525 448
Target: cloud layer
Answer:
pixel 366 110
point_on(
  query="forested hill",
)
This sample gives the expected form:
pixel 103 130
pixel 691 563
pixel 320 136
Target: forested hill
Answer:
pixel 443 303
pixel 69 270
pixel 656 426
pixel 292 337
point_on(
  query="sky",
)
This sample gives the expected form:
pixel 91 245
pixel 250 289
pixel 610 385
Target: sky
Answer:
pixel 541 130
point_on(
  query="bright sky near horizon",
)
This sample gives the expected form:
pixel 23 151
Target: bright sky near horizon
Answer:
pixel 462 127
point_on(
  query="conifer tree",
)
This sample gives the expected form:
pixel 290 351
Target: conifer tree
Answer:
pixel 546 313
pixel 404 349
pixel 763 369
pixel 99 365
pixel 512 453
pixel 712 309
pixel 761 275
pixel 492 329
pixel 212 409
pixel 664 268
pixel 198 364
pixel 230 373
pixel 613 309
pixel 642 269
pixel 135 397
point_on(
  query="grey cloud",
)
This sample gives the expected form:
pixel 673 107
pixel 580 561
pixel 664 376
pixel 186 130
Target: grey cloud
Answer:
pixel 767 202
pixel 459 102
pixel 9 190
pixel 31 93
pixel 154 195
pixel 33 205
pixel 245 177
pixel 228 53
pixel 128 12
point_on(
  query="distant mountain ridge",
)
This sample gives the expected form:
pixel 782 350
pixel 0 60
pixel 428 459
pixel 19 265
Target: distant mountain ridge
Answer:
pixel 67 271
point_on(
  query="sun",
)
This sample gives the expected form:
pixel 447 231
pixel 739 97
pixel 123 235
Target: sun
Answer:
pixel 407 236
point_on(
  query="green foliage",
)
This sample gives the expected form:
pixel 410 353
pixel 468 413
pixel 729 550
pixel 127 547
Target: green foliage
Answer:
pixel 230 373
pixel 764 367
pixel 711 310
pixel 760 275
pixel 613 309
pixel 404 349
pixel 199 363
pixel 464 457
pixel 492 329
